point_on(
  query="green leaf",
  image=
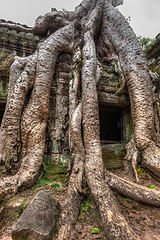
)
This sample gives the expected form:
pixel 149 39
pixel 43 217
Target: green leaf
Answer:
pixel 152 187
pixel 95 230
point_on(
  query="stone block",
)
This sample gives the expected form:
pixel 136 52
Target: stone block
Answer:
pixel 38 220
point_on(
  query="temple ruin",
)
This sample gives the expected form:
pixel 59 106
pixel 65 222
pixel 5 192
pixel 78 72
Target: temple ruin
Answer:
pixel 114 106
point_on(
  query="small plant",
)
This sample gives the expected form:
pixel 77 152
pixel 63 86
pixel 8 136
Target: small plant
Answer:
pixel 141 171
pixel 152 187
pixel 81 210
pixel 87 205
pixel 122 199
pixel 63 9
pixel 21 208
pixel 55 185
pixel 95 230
pixel 16 218
pixel 64 185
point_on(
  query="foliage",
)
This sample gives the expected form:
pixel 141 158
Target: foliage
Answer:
pixel 87 205
pixel 154 70
pixel 128 19
pixel 95 230
pixel 63 9
pixel 152 187
pixel 21 208
pixel 45 175
pixel 81 210
pixel 84 206
pixel 141 171
pixel 146 42
pixel 55 185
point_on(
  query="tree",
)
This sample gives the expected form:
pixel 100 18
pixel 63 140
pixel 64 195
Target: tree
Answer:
pixel 146 42
pixel 95 28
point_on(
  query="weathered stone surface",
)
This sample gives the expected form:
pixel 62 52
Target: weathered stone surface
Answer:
pixel 14 203
pixel 110 99
pixel 153 55
pixel 113 155
pixel 19 43
pixel 37 221
pixel 111 78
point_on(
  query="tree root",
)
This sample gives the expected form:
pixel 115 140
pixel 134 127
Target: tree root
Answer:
pixel 131 159
pixel 115 226
pixel 71 207
pixel 30 124
pixel 132 190
pixel 151 159
pixel 21 81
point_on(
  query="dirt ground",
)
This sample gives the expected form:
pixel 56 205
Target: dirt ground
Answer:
pixel 144 219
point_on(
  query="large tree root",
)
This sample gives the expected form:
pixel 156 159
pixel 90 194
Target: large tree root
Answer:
pixel 29 122
pixel 21 81
pixel 115 226
pixel 136 73
pixel 131 159
pixel 132 190
pixel 34 116
pixel 72 204
pixel 71 207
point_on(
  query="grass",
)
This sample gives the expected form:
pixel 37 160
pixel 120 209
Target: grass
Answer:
pixel 21 208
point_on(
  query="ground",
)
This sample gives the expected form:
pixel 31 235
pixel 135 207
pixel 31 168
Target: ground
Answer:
pixel 144 220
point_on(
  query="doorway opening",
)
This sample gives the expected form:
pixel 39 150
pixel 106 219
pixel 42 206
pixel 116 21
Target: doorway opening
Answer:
pixel 2 108
pixel 111 124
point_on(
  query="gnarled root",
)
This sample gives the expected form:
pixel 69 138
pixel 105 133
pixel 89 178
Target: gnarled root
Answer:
pixel 21 81
pixel 30 123
pixel 132 190
pixel 72 204
pixel 131 159
pixel 115 226
pixel 151 160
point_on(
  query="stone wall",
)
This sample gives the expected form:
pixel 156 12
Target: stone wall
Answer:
pixel 18 43
pixel 153 55
pixel 5 63
pixel 57 132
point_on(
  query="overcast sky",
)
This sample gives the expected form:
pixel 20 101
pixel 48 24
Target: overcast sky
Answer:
pixel 145 17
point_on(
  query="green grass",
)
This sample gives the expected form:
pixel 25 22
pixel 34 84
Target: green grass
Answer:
pixel 21 208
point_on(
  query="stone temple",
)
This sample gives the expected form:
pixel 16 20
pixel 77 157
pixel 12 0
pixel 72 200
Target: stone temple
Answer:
pixel 114 105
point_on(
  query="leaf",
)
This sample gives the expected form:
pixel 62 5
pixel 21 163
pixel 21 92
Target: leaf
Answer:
pixel 95 230
pixel 152 187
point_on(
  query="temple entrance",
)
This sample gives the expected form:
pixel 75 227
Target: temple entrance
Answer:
pixel 111 124
pixel 2 108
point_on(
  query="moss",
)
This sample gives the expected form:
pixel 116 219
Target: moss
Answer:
pixel 128 133
pixel 113 155
pixel 3 92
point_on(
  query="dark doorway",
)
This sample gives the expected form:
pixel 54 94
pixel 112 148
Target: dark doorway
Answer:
pixel 111 124
pixel 1 113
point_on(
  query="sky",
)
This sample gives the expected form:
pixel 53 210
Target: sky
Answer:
pixel 144 14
